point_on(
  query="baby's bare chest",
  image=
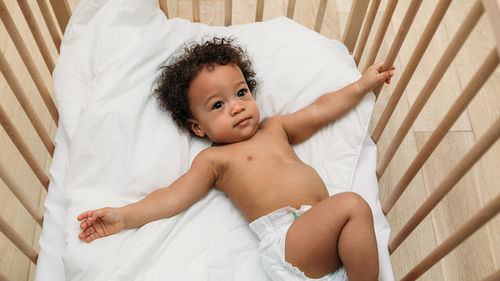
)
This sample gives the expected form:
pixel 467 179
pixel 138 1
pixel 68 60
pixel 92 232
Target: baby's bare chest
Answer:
pixel 261 180
pixel 264 153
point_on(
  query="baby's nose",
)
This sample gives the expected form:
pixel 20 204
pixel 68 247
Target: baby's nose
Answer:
pixel 236 108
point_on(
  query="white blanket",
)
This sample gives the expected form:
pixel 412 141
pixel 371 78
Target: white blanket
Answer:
pixel 122 146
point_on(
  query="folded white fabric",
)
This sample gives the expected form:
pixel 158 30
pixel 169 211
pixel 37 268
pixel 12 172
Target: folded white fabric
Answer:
pixel 122 146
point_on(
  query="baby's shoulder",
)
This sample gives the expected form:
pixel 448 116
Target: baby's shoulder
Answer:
pixel 274 124
pixel 214 157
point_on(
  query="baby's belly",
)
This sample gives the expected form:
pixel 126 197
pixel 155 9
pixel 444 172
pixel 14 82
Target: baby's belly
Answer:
pixel 293 184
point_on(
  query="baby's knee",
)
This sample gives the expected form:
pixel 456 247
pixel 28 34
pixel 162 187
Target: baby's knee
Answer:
pixel 356 205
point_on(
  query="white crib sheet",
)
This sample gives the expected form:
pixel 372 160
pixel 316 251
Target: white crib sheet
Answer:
pixel 115 135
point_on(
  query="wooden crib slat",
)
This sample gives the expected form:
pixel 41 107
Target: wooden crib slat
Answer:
pixel 196 10
pixel 20 195
pixel 408 19
pixel 49 22
pixel 444 62
pixel 3 277
pixel 473 224
pixel 28 60
pixel 290 11
pixel 228 13
pixel 18 91
pixel 492 8
pixel 367 27
pixel 23 148
pixel 410 68
pixel 16 239
pixel 164 7
pixel 460 169
pixel 493 277
pixel 476 82
pixel 320 15
pixel 259 11
pixel 382 30
pixel 62 12
pixel 354 23
pixel 37 35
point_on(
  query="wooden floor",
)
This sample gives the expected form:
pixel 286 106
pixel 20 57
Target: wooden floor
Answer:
pixel 473 260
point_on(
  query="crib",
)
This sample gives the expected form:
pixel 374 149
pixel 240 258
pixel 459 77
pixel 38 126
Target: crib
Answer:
pixel 430 131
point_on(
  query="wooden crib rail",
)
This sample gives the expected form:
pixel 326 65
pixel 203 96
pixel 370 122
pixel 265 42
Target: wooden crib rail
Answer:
pixel 492 9
pixel 42 118
pixel 21 96
pixel 450 53
pixel 35 30
pixel 51 26
pixel 13 236
pixel 367 27
pixel 457 108
pixel 486 141
pixel 354 23
pixel 382 30
pixel 351 32
pixel 28 60
pixel 473 224
pixel 493 277
pixel 411 12
pixel 410 68
pixel 62 12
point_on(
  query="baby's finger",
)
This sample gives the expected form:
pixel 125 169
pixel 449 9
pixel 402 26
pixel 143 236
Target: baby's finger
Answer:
pixel 84 225
pixel 379 65
pixel 91 238
pixel 85 215
pixel 82 216
pixel 89 231
pixel 384 76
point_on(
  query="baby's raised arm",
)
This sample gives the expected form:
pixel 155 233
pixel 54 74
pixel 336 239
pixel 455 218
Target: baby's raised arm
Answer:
pixel 162 203
pixel 302 124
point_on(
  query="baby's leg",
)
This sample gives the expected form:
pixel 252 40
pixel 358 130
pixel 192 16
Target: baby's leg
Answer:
pixel 338 230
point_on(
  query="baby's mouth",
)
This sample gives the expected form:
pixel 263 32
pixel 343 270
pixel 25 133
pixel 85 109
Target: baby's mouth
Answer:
pixel 242 122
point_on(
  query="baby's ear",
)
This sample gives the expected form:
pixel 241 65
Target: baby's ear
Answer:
pixel 194 126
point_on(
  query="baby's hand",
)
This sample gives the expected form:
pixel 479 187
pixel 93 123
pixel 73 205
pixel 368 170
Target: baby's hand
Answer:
pixel 374 76
pixel 100 223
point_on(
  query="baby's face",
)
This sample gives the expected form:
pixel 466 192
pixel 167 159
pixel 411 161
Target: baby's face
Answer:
pixel 222 106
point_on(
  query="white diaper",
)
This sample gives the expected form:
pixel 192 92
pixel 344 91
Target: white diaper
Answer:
pixel 271 230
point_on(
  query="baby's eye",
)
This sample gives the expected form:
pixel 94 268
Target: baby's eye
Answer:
pixel 217 105
pixel 242 92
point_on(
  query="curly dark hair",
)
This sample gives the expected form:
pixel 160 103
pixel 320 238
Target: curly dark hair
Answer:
pixel 177 75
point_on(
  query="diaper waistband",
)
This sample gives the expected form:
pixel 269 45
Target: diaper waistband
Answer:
pixel 276 220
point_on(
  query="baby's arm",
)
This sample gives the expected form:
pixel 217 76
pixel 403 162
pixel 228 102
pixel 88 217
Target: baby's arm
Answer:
pixel 302 124
pixel 159 204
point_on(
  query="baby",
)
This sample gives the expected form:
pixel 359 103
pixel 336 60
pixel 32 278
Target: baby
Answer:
pixel 304 233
